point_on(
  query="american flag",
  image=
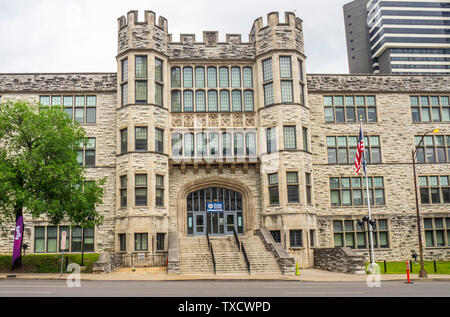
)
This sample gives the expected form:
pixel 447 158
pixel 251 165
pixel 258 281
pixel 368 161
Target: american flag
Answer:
pixel 359 160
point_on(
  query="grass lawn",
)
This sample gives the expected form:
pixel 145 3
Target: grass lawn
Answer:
pixel 46 263
pixel 442 267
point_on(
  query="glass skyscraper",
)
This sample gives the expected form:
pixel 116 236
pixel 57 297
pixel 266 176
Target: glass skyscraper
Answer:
pixel 399 37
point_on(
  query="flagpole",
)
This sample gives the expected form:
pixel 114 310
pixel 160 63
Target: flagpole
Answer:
pixel 372 255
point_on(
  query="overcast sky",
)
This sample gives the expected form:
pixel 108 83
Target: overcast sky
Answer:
pixel 81 35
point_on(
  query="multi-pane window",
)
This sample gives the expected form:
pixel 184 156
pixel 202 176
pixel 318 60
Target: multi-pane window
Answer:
pixel 160 241
pixel 158 94
pixel 430 108
pixel 285 67
pixel 351 191
pixel 141 91
pixel 141 135
pixel 434 189
pixel 189 144
pixel 437 232
pixel 141 241
pixel 347 233
pixel 342 149
pixel 212 100
pixel 122 242
pixel 202 144
pixel 268 94
pixel 200 77
pixel 223 77
pixel 52 242
pixel 312 238
pixel 158 70
pixel 187 77
pixel 212 76
pixel 271 138
pixel 123 191
pixel 247 77
pixel 177 144
pixel 235 77
pixel 200 100
pixel 159 191
pixel 308 186
pixel 300 70
pixel 76 239
pixel 39 239
pixel 295 238
pixel 238 138
pixel 86 153
pixel 123 141
pixel 124 82
pixel 51 239
pixel 159 140
pixel 236 100
pixel 81 109
pixel 224 100
pixel 274 197
pixel 433 148
pixel 290 141
pixel 305 138
pixel 124 94
pixel 267 69
pixel 141 66
pixel 250 142
pixel 302 94
pixel 176 100
pixel 141 189
pixel 214 144
pixel 248 100
pixel 286 91
pixel 226 144
pixel 188 100
pixel 293 193
pixel 88 236
pixel 350 108
pixel 175 77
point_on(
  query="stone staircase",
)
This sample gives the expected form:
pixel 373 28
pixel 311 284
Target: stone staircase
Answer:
pixel 262 261
pixel 229 259
pixel 195 258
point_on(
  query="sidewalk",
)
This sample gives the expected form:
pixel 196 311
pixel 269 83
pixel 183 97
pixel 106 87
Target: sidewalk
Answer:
pixel 159 274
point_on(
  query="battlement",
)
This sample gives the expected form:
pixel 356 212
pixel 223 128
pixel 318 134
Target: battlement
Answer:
pixel 210 38
pixel 150 19
pixel 273 19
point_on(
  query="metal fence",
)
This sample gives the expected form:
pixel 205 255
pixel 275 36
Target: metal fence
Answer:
pixel 144 260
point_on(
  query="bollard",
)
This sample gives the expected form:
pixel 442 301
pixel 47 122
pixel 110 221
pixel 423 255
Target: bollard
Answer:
pixel 407 273
pixel 385 266
pixel 297 271
pixel 435 269
pixel 411 266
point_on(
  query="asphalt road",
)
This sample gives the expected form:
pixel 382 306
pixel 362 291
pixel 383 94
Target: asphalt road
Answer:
pixel 59 288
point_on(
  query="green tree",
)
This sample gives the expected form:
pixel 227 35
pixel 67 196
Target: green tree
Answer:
pixel 39 172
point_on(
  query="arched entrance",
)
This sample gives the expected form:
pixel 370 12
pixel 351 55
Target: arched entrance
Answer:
pixel 216 210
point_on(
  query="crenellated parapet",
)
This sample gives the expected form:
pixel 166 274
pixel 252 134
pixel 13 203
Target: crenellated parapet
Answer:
pixel 276 35
pixel 150 34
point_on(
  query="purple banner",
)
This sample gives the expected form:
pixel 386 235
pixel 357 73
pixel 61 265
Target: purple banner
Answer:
pixel 18 233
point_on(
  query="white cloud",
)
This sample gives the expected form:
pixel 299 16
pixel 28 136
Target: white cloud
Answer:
pixel 81 35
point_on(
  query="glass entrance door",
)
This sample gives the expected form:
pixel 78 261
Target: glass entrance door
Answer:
pixel 199 219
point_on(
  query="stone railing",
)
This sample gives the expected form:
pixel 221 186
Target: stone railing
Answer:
pixel 286 263
pixel 343 260
pixel 173 263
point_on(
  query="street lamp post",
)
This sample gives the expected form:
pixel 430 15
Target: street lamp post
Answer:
pixel 422 272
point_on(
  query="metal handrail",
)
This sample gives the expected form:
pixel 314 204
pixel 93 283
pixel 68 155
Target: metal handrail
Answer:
pixel 236 238
pixel 245 257
pixel 211 250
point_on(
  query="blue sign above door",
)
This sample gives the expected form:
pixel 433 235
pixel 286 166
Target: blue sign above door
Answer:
pixel 214 207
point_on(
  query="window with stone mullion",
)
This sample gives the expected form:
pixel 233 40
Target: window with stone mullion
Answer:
pixel 285 67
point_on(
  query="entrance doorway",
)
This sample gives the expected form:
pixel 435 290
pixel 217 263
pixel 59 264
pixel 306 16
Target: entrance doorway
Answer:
pixel 221 221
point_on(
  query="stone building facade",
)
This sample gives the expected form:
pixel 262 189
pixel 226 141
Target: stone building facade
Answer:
pixel 183 124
